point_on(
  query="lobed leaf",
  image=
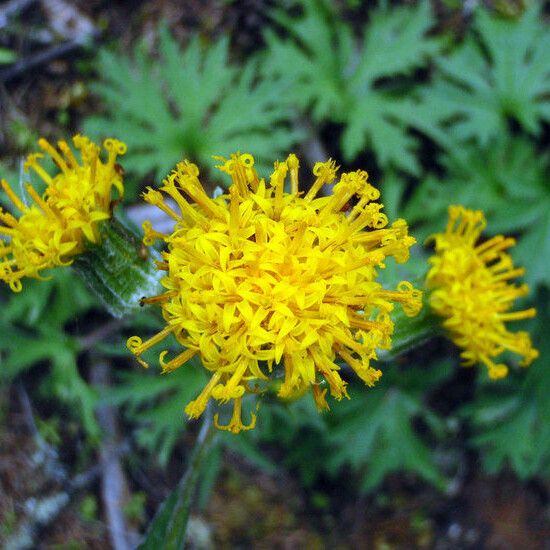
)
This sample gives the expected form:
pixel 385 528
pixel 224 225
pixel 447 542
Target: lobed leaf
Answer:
pixel 500 72
pixel 360 86
pixel 508 180
pixel 374 435
pixel 188 103
pixel 512 427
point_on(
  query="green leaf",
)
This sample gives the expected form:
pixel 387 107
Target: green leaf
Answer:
pixel 378 120
pixel 33 334
pixel 373 434
pixel 188 103
pixel 511 421
pixel 354 434
pixel 25 349
pixel 395 43
pixel 169 526
pixel 296 428
pixel 508 180
pixel 514 440
pixel 501 71
pixel 392 188
pixel 364 87
pixel 533 249
pixel 7 56
pixel 313 62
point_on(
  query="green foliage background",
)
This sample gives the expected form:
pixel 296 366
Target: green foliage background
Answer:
pixel 437 118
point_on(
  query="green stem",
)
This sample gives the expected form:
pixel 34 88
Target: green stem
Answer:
pixel 169 526
pixel 186 488
pixel 410 332
pixel 119 270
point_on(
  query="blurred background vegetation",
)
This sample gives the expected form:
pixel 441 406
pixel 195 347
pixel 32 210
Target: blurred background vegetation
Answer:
pixel 442 102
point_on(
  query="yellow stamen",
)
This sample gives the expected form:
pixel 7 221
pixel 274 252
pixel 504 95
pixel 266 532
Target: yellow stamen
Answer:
pixel 13 197
pixel 325 172
pixel 176 362
pixel 38 200
pixel 265 275
pixel 470 290
pixel 57 158
pixel 517 315
pixel 136 345
pixel 293 165
pixel 236 424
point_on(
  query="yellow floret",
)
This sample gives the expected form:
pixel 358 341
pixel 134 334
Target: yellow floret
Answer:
pixel 261 281
pixel 56 224
pixel 472 292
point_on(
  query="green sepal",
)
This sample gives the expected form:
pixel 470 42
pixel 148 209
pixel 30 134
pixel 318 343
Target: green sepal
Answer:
pixel 119 270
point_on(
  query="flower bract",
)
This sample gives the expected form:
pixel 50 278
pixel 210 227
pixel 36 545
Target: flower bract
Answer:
pixel 473 292
pixel 270 286
pixel 54 226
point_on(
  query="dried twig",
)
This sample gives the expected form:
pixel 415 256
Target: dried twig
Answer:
pixel 46 456
pixel 40 58
pixel 65 19
pixel 43 511
pixel 11 9
pixel 68 21
pixel 114 487
pixel 99 334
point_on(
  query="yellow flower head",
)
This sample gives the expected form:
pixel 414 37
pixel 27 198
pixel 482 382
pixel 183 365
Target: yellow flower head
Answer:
pixel 264 281
pixel 56 225
pixel 472 292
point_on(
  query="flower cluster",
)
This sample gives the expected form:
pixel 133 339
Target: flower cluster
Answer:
pixel 57 223
pixel 262 281
pixel 472 292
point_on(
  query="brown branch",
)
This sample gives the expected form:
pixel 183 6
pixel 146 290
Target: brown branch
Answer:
pixel 88 341
pixel 37 59
pixel 114 487
pixel 12 8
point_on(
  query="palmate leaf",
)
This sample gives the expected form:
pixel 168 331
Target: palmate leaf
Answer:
pixel 533 250
pixel 188 103
pixel 394 43
pixel 508 180
pixel 295 427
pixel 359 86
pixel 21 350
pixel 379 121
pixel 374 432
pixel 314 60
pixel 511 424
pixel 33 335
pixel 501 71
pixel 515 440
